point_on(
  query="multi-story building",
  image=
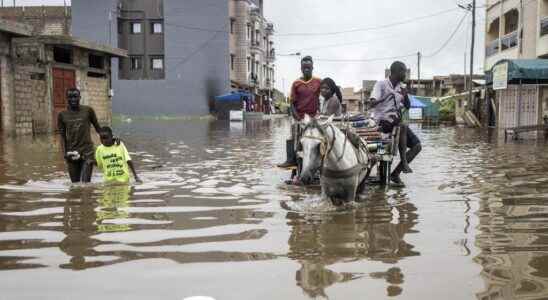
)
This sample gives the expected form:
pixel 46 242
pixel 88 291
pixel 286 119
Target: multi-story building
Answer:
pixel 252 53
pixel 179 57
pixel 515 29
pixel 181 53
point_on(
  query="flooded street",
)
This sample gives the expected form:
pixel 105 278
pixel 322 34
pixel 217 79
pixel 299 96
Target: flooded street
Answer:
pixel 472 222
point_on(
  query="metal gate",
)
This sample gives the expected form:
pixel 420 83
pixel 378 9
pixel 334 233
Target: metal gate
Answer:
pixel 518 106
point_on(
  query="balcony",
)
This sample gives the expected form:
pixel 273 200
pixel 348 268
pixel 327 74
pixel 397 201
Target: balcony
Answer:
pixel 509 41
pixel 271 56
pixel 542 43
pixel 256 46
pixel 269 28
pixel 544 26
pixel 492 48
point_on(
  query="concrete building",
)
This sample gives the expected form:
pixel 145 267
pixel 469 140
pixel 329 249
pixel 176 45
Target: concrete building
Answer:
pixel 515 29
pixel 352 100
pixel 252 53
pixel 36 71
pixel 181 53
pixel 44 20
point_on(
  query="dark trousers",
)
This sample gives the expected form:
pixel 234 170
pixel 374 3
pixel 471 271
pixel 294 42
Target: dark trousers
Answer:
pixel 80 170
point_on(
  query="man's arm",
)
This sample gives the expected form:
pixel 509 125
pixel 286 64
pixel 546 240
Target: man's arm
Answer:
pixel 406 101
pixel 63 133
pixel 376 95
pixel 292 100
pixel 132 167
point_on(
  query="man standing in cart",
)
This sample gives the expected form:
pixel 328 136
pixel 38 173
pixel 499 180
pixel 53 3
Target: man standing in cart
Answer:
pixel 305 99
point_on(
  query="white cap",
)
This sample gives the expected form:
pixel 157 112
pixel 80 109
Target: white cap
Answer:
pixel 199 298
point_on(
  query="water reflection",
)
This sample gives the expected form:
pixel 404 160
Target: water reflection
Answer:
pixel 374 232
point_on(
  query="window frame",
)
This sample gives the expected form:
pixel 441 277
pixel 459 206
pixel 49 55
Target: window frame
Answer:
pixel 138 59
pixel 132 27
pixel 152 59
pixel 153 29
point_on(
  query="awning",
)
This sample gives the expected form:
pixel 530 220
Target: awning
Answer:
pixel 234 96
pixel 416 102
pixel 527 70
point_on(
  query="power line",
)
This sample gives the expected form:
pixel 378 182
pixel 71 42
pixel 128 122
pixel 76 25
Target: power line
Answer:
pixel 199 49
pixel 450 37
pixel 443 46
pixel 363 60
pixel 369 28
pixel 325 33
pixel 344 44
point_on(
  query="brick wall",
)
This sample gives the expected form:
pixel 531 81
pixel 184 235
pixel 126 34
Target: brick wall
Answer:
pixel 31 101
pixel 45 20
pixel 97 97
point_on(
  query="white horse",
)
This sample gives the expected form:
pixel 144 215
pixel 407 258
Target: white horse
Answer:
pixel 343 168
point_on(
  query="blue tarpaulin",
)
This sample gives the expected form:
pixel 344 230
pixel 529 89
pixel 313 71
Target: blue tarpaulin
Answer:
pixel 416 103
pixel 234 96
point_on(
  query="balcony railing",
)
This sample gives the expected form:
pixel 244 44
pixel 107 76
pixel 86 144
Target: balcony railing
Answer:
pixel 492 48
pixel 544 26
pixel 509 41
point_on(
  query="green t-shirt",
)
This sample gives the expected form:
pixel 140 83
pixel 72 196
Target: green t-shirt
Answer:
pixel 113 162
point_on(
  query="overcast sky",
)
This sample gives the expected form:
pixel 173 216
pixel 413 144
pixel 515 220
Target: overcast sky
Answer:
pixel 426 35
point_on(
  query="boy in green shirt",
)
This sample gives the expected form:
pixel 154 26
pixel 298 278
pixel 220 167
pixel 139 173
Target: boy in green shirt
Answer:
pixel 113 159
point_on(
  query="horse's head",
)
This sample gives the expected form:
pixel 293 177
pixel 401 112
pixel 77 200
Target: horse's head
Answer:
pixel 315 144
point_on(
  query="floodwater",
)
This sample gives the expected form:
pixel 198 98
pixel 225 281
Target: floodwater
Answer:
pixel 472 223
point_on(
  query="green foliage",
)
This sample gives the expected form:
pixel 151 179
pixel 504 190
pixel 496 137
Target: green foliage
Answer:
pixel 447 110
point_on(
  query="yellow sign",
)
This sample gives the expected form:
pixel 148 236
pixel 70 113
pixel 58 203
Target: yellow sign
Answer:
pixel 500 76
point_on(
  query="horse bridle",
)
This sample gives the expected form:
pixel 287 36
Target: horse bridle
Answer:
pixel 323 141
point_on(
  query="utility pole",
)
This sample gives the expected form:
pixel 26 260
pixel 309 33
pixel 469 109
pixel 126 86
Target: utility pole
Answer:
pixel 470 86
pixel 418 72
pixel 464 74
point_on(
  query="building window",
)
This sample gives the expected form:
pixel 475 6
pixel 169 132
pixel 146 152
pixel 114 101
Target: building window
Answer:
pixel 156 28
pixel 248 64
pixel 232 58
pixel 62 55
pixel 120 26
pixel 96 61
pixel 120 64
pixel 136 63
pixel 157 63
pixel 232 25
pixel 136 28
pixel 248 31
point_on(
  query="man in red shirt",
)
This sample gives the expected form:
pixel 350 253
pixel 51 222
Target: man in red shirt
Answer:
pixel 305 99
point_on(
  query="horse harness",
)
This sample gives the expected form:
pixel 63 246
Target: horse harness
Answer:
pixel 325 150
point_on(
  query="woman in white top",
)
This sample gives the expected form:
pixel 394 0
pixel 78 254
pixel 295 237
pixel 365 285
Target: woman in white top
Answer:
pixel 332 96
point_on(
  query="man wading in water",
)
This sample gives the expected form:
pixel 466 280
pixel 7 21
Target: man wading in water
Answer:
pixel 305 99
pixel 388 100
pixel 74 127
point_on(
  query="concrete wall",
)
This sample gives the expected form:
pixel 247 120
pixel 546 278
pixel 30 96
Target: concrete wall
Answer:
pixel 97 97
pixel 32 113
pixel 45 20
pixel 197 62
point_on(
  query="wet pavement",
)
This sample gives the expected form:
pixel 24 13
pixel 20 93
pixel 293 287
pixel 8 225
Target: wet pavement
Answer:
pixel 472 223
